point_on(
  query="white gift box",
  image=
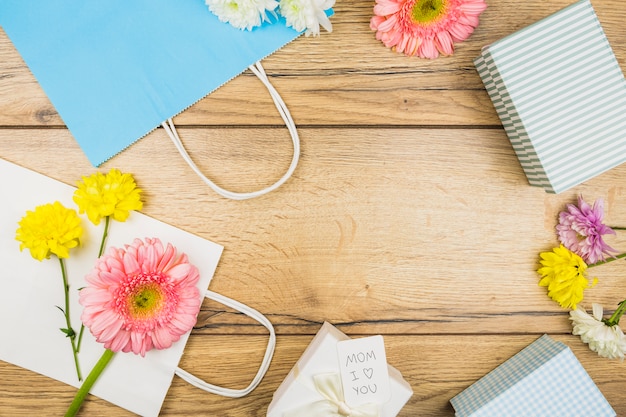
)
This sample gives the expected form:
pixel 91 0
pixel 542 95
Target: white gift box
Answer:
pixel 320 357
pixel 561 96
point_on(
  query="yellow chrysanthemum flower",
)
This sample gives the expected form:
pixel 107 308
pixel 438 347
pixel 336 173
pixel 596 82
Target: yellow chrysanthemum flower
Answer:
pixel 49 229
pixel 563 272
pixel 114 194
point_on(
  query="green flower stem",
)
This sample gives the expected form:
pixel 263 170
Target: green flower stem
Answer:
pixel 607 260
pixel 70 331
pixel 617 228
pixel 617 315
pixel 105 234
pixel 80 337
pixel 91 379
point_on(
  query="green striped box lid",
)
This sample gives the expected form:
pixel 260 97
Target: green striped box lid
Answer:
pixel 561 96
pixel 512 126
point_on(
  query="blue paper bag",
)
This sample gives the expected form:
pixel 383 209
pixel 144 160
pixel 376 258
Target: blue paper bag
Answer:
pixel 116 70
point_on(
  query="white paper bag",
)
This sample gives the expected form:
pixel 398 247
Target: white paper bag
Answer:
pixel 31 289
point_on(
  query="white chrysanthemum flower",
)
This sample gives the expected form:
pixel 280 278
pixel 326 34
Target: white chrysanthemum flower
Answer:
pixel 307 14
pixel 607 341
pixel 242 14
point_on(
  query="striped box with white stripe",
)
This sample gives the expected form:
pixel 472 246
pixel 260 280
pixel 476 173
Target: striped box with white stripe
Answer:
pixel 561 97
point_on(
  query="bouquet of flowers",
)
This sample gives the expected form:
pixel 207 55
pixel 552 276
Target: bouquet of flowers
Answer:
pixel 137 298
pixel 564 272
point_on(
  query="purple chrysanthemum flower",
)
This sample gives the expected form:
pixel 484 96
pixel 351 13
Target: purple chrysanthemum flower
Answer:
pixel 580 229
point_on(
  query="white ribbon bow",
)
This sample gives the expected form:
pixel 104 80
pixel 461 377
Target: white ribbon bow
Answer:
pixel 329 385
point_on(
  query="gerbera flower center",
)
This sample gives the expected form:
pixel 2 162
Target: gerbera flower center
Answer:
pixel 146 301
pixel 428 11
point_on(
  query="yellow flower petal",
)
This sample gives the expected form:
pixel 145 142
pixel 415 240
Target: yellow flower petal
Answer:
pixel 563 272
pixel 51 229
pixel 114 194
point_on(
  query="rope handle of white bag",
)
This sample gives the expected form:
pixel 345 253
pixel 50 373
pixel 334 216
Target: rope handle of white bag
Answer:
pixel 267 358
pixel 258 70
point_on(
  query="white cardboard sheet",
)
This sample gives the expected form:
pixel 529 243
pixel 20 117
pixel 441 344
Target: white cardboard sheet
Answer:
pixel 30 290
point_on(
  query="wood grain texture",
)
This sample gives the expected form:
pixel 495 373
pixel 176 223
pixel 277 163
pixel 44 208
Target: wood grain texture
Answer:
pixel 343 78
pixel 408 215
pixel 437 367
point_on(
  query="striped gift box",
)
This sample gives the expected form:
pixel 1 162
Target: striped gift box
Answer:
pixel 561 97
pixel 544 379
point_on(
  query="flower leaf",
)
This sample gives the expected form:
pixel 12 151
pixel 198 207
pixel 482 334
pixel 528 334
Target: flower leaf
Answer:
pixel 68 332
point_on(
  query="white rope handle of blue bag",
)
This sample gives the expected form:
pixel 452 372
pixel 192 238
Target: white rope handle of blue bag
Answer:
pixel 267 358
pixel 258 70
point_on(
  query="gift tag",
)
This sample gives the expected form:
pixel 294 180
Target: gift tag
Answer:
pixel 363 370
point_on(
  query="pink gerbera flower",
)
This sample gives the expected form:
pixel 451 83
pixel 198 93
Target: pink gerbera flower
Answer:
pixel 580 229
pixel 141 297
pixel 425 27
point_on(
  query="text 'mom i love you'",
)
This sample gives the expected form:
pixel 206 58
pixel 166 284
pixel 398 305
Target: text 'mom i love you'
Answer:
pixel 363 370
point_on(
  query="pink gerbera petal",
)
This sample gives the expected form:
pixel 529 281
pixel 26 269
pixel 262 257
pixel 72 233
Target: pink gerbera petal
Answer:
pixel 386 8
pixel 425 27
pixel 460 32
pixel 119 342
pixel 428 49
pixel 130 262
pixel 412 46
pixel 469 20
pixel 443 41
pixel 141 297
pixel 376 21
pixel 388 25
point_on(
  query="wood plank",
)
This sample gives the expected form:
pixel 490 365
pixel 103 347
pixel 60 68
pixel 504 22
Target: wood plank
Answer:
pixel 408 215
pixel 379 230
pixel 363 83
pixel 437 368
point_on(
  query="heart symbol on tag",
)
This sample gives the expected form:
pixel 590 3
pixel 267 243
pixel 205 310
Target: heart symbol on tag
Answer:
pixel 369 372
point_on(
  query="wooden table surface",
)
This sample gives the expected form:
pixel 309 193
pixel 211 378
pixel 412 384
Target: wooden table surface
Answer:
pixel 408 215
